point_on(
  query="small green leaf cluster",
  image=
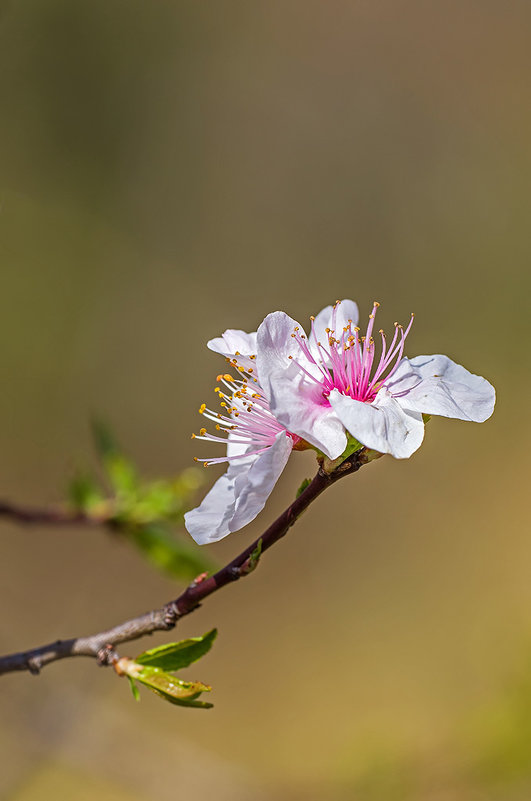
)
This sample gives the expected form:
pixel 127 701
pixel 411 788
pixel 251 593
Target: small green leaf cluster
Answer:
pixel 155 669
pixel 144 512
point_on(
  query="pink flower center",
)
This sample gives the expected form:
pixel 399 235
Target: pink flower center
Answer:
pixel 347 361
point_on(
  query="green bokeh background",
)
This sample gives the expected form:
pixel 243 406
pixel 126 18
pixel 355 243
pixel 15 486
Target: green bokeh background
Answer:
pixel 170 169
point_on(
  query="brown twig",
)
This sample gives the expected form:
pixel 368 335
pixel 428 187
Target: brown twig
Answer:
pixel 55 517
pixel 100 645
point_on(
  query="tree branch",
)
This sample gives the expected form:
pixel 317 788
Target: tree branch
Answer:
pixel 99 645
pixel 55 517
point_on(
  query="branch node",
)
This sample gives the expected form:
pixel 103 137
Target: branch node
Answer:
pixel 34 665
pixel 107 655
pixel 171 615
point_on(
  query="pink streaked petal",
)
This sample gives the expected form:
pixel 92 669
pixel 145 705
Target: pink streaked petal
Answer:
pixel 382 425
pixel 299 405
pixel 437 385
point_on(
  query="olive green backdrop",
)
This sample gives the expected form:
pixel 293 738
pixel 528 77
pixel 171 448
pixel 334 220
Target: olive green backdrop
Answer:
pixel 170 169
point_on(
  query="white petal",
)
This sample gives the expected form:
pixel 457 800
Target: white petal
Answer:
pixel 240 494
pixel 254 487
pixel 347 311
pixel 275 344
pixel 382 425
pixel 210 521
pixel 437 385
pixel 278 352
pixel 295 400
pixel 232 342
pixel 299 405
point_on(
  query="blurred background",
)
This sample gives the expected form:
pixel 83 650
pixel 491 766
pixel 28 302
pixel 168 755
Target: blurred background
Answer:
pixel 171 169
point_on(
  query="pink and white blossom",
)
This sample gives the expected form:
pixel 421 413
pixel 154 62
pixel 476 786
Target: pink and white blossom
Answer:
pixel 314 381
pixel 258 446
pixel 323 390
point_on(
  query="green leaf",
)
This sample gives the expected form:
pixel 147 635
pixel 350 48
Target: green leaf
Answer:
pixel 160 680
pixel 84 493
pixel 185 702
pixel 122 475
pixel 134 689
pixel 120 470
pixel 176 655
pixel 172 689
pixel 305 483
pixel 180 559
pixel 104 440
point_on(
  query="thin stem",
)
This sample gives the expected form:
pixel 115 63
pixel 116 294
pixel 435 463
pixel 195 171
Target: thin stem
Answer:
pixel 55 517
pixel 100 645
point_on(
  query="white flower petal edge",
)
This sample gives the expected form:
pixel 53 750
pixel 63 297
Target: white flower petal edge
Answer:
pixel 437 385
pixel 345 312
pixel 211 520
pixel 234 341
pixel 275 344
pixel 240 494
pixel 381 425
